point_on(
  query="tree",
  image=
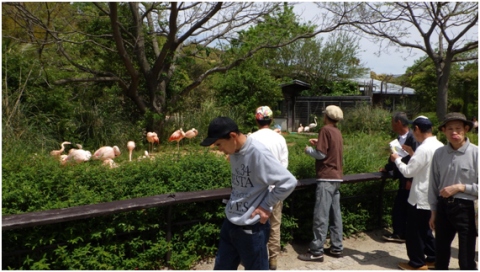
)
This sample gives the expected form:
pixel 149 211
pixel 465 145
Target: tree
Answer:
pixel 145 43
pixel 446 29
pixel 462 91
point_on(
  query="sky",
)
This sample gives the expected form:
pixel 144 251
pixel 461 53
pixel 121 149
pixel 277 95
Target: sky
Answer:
pixel 391 63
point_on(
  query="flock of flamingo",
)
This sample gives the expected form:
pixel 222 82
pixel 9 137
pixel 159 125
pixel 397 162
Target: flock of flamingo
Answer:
pixel 301 128
pixel 106 154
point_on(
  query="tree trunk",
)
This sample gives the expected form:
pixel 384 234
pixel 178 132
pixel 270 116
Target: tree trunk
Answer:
pixel 443 74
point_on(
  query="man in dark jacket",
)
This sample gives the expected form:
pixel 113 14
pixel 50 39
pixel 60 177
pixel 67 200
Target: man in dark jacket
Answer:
pixel 400 126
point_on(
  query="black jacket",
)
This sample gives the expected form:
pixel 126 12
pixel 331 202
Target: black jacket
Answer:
pixel 391 166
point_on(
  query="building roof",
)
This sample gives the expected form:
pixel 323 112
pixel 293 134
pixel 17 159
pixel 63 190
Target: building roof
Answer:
pixel 295 82
pixel 387 88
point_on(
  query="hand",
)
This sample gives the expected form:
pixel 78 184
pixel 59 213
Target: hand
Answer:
pixel 264 214
pixel 306 148
pixel 408 149
pixel 394 156
pixel 452 190
pixel 313 141
pixel 408 185
pixel 382 170
pixel 431 223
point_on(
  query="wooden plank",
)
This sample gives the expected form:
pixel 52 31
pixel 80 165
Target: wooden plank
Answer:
pixel 93 210
pixel 86 211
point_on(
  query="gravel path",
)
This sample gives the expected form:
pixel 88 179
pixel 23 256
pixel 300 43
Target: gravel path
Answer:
pixel 365 251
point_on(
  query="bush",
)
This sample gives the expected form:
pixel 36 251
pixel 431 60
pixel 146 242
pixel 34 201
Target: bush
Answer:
pixel 366 119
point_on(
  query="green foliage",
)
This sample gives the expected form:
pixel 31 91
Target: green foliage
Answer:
pixel 462 88
pixel 121 241
pixel 246 88
pixel 326 66
pixel 366 119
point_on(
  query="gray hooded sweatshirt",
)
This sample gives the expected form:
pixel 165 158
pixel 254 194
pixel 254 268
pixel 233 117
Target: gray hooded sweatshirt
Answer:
pixel 254 168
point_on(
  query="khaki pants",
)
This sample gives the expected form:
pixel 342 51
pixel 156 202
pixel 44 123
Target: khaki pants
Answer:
pixel 275 222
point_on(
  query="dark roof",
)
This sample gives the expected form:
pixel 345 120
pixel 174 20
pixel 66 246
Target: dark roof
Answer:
pixel 295 82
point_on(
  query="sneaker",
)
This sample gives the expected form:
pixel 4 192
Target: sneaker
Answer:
pixel 430 265
pixel 393 238
pixel 272 264
pixel 406 266
pixel 334 252
pixel 310 257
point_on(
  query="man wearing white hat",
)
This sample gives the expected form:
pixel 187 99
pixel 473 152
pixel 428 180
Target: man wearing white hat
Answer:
pixel 328 154
pixel 278 146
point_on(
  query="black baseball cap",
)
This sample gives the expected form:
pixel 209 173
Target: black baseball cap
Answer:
pixel 219 128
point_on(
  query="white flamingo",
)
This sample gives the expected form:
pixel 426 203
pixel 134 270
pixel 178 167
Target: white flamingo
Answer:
pixel 57 153
pixel 76 155
pixel 313 125
pixel 106 152
pixel 131 147
pixel 300 129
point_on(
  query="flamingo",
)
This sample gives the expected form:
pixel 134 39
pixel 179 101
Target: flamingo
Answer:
pixel 177 136
pixel 73 149
pixel 106 152
pixel 130 147
pixel 191 134
pixel 57 153
pixel 300 129
pixel 151 139
pixel 306 129
pixel 76 155
pixel 313 125
pixel 146 156
pixel 155 138
pixel 110 163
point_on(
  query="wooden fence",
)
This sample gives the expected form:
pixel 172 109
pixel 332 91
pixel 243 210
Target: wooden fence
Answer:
pixel 87 211
pixel 39 218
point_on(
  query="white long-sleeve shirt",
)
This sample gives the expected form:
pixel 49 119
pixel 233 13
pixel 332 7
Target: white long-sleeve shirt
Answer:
pixel 418 168
pixel 274 142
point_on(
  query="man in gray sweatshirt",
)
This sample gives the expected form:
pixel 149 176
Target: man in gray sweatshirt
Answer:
pixel 245 231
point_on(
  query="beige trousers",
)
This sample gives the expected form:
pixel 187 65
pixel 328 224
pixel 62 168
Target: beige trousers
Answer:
pixel 274 240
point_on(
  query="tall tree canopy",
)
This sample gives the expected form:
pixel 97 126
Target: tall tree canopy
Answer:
pixel 142 47
pixel 446 31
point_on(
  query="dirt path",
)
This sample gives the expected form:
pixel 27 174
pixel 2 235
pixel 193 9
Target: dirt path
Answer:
pixel 366 251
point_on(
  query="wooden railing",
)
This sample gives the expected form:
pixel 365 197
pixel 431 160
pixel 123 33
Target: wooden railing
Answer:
pixel 87 211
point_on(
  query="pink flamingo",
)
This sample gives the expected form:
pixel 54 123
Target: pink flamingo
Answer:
pixel 106 152
pixel 177 136
pixel 152 138
pixel 191 134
